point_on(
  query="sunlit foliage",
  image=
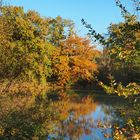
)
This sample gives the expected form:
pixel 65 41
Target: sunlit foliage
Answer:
pixel 24 50
pixel 76 59
pixel 38 50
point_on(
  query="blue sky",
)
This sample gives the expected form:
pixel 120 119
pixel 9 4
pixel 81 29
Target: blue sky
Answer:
pixel 98 13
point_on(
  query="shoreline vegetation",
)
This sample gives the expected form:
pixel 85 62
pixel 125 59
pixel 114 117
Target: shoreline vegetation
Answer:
pixel 40 54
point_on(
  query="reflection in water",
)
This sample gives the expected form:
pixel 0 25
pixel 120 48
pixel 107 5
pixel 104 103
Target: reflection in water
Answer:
pixel 74 116
pixel 68 117
pixel 82 119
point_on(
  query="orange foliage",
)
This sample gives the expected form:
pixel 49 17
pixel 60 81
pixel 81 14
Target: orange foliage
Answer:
pixel 81 57
pixel 74 60
pixel 60 68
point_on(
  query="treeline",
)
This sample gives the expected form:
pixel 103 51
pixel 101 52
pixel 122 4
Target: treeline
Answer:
pixel 37 51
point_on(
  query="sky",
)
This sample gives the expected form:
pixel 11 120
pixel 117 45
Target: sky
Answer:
pixel 98 13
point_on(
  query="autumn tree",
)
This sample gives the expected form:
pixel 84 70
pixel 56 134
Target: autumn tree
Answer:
pixel 41 50
pixel 73 57
pixel 82 57
pixel 76 60
pixel 24 49
pixel 58 31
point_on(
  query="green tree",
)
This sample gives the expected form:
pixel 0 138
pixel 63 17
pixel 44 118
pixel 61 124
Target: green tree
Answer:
pixel 24 50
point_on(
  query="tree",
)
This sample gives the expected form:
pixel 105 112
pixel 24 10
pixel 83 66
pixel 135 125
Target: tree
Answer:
pixel 58 30
pixel 76 60
pixel 123 46
pixel 24 49
pixel 82 57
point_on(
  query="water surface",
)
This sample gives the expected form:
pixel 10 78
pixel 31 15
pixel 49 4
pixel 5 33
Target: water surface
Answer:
pixel 62 115
pixel 91 116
